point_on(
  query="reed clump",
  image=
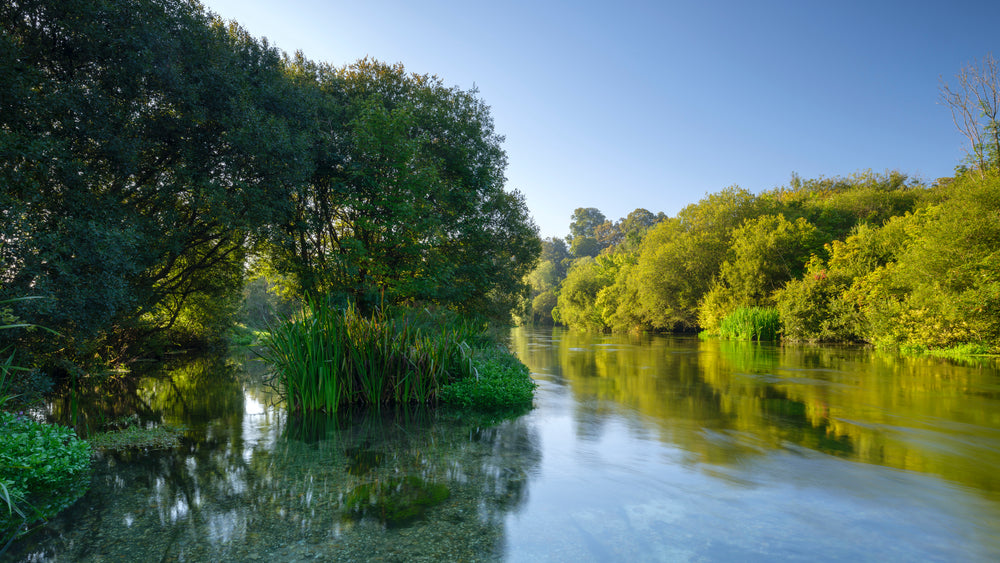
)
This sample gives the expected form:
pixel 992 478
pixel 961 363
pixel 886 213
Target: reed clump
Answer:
pixel 751 323
pixel 330 356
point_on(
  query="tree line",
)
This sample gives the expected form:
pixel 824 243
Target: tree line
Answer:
pixel 152 157
pixel 879 258
pixel 874 257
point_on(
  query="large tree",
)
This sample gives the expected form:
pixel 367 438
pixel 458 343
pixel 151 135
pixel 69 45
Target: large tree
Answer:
pixel 407 201
pixel 584 228
pixel 142 144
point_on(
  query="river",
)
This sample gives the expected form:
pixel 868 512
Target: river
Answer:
pixel 638 448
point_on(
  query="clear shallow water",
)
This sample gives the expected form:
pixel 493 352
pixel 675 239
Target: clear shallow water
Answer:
pixel 639 448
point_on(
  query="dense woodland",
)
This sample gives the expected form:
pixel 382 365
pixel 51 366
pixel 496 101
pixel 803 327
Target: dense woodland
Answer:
pixel 877 258
pixel 154 159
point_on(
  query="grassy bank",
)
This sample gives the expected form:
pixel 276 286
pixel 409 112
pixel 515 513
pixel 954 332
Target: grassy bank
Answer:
pixel 328 356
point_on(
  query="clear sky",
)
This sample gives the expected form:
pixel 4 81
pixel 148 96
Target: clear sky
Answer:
pixel 626 104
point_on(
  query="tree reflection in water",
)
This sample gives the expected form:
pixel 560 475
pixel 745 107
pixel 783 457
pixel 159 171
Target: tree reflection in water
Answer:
pixel 252 483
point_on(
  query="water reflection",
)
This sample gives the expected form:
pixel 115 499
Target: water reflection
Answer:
pixel 722 401
pixel 639 448
pixel 788 452
pixel 252 483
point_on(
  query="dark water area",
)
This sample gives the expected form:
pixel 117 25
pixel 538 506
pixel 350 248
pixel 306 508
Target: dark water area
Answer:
pixel 650 448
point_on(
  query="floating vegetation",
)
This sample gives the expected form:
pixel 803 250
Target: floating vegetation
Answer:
pixel 126 433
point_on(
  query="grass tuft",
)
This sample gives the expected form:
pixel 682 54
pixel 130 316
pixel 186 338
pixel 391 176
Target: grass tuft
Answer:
pixel 751 323
pixel 329 356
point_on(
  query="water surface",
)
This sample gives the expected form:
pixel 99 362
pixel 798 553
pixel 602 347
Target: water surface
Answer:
pixel 638 448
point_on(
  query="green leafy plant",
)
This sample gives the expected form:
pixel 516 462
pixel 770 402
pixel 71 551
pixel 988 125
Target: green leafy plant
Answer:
pixel 46 468
pixel 501 381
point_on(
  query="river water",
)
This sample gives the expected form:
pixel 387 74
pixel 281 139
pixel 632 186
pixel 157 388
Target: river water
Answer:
pixel 638 448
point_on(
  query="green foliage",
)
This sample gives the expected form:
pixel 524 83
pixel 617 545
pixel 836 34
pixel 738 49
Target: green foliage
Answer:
pixel 543 283
pixel 583 229
pixel 766 252
pixel 144 146
pixel 923 281
pixel 577 301
pixel 44 468
pixel 836 205
pixel 500 381
pixel 150 152
pixel 751 323
pixel 329 356
pixel 407 202
pixel 681 256
pixel 944 287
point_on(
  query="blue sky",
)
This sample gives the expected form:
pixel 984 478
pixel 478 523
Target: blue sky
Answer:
pixel 619 105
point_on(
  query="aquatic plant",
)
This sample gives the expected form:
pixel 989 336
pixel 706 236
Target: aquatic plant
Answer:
pixel 45 469
pixel 394 502
pixel 501 382
pixel 751 323
pixel 329 356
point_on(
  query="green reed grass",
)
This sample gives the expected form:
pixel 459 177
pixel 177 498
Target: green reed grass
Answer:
pixel 329 356
pixel 751 323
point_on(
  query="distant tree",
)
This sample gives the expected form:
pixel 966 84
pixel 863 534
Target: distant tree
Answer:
pixel 554 250
pixel 583 232
pixel 975 108
pixel 578 295
pixel 635 226
pixel 766 252
pixel 680 257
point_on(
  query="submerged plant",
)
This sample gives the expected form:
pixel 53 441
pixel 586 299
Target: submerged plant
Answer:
pixel 394 502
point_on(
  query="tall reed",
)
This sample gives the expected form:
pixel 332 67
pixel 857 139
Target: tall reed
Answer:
pixel 329 356
pixel 751 323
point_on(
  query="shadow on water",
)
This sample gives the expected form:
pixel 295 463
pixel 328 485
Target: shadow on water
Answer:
pixel 251 482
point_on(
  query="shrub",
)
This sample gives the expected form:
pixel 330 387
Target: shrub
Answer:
pixel 44 468
pixel 499 381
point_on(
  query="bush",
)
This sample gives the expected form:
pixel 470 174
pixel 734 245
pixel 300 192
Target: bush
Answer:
pixel 499 381
pixel 44 468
